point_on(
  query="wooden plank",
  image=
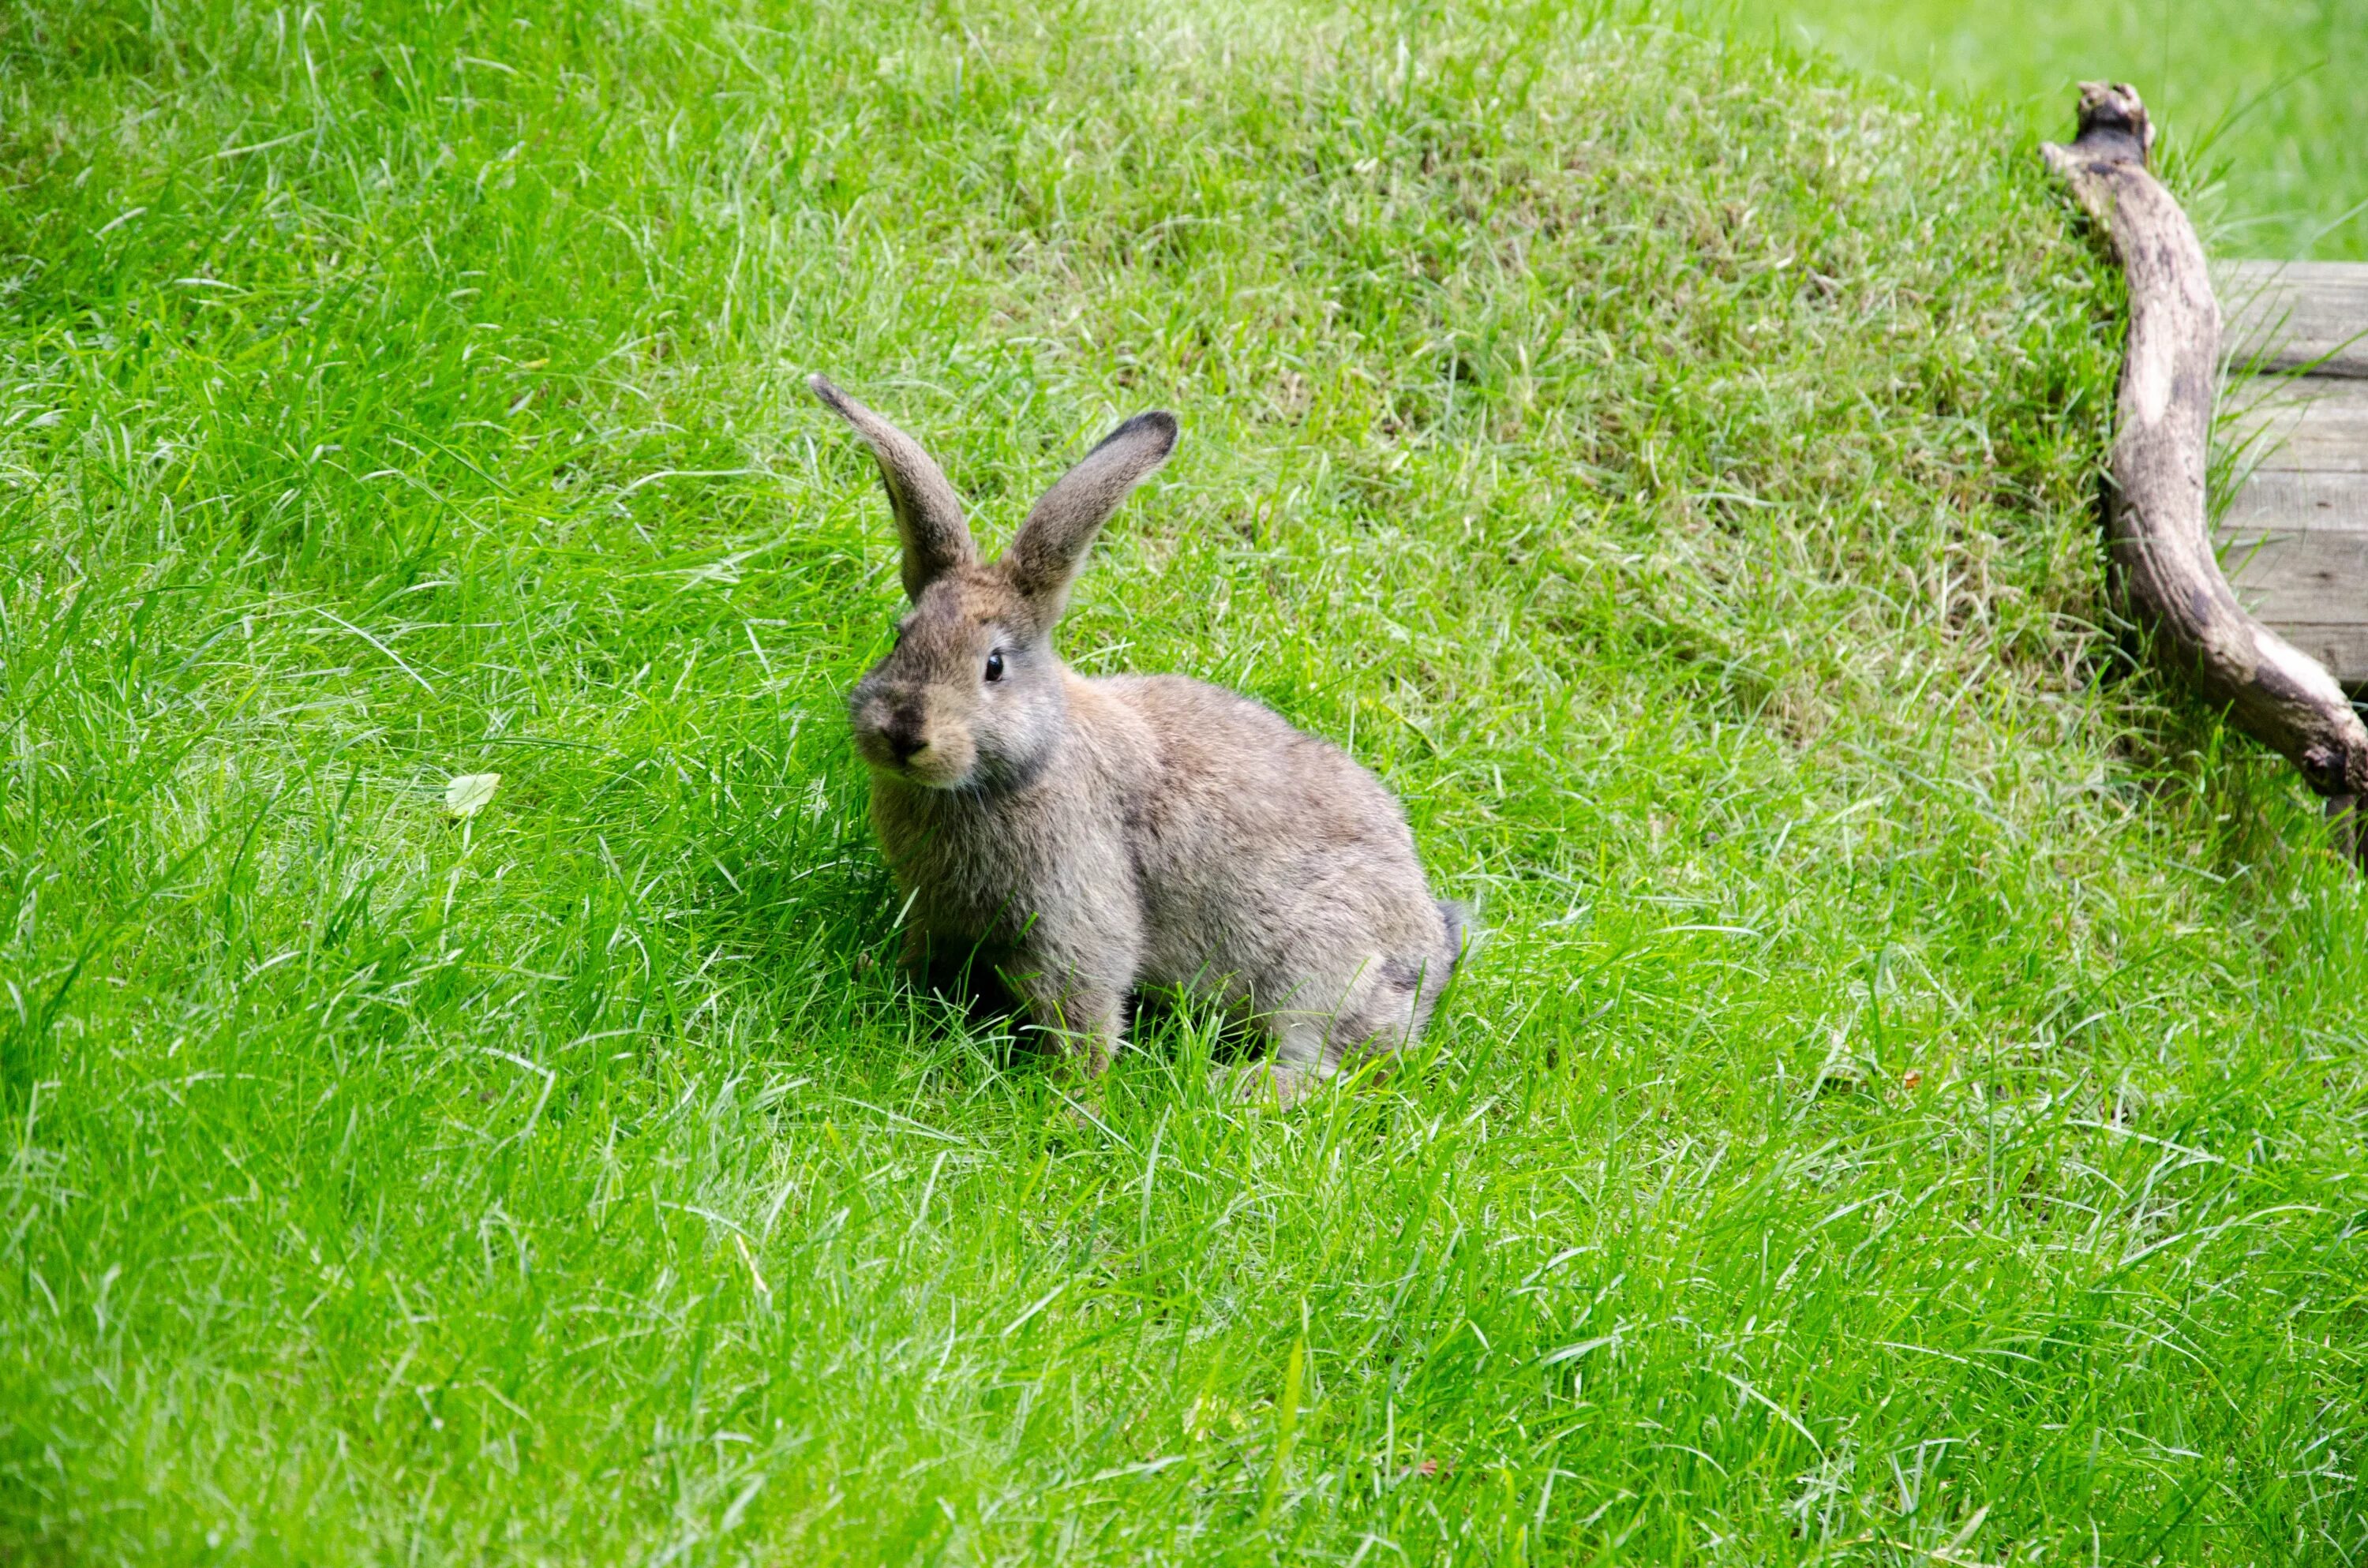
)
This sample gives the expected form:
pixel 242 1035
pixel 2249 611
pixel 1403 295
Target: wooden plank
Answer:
pixel 2284 501
pixel 2291 314
pixel 2299 425
pixel 2312 589
pixel 2295 540
pixel 2292 576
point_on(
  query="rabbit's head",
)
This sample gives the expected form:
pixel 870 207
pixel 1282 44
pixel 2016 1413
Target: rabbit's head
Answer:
pixel 971 696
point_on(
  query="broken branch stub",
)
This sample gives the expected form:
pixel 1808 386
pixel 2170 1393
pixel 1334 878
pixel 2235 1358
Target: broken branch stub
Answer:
pixel 2156 528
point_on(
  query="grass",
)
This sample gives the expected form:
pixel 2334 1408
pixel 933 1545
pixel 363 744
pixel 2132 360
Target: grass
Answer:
pixel 2266 94
pixel 1908 1108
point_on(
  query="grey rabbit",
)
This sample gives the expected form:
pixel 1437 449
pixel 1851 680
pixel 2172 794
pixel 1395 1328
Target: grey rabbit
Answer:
pixel 1088 837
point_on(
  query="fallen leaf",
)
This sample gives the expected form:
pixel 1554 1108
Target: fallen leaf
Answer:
pixel 470 793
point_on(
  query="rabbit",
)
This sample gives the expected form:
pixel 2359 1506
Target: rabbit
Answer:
pixel 1086 837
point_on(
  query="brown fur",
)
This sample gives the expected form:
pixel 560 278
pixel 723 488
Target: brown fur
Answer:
pixel 1089 836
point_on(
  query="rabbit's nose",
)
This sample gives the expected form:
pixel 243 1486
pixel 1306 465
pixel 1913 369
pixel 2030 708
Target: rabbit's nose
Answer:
pixel 902 734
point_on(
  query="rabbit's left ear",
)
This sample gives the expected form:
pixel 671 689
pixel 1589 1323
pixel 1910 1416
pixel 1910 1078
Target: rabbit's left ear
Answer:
pixel 1050 545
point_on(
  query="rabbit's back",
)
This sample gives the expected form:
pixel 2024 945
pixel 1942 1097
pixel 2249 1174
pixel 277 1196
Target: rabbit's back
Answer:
pixel 1262 852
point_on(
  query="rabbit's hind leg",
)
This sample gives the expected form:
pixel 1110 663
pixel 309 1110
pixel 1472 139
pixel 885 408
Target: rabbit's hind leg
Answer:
pixel 1384 1004
pixel 1312 1041
pixel 1388 1006
pixel 1302 1063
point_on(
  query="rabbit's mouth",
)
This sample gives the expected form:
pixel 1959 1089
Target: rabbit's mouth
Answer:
pixel 932 765
pixel 932 773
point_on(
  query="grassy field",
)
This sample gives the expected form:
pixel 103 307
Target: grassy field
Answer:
pixel 1908 1108
pixel 2268 96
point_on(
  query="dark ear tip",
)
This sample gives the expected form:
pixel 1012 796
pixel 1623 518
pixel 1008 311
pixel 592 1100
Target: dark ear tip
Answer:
pixel 820 386
pixel 1157 423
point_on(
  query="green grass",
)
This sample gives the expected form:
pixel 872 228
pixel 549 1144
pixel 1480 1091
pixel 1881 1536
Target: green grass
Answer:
pixel 2270 96
pixel 1908 1110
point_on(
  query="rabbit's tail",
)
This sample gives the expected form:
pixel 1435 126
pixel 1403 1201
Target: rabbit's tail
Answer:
pixel 1462 931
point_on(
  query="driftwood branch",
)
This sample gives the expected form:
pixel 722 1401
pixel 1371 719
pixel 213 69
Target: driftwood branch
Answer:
pixel 2156 525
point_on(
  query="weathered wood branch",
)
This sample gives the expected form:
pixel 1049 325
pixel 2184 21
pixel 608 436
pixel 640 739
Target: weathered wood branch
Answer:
pixel 2156 525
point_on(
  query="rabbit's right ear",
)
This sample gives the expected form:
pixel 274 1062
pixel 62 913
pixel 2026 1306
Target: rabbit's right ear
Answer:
pixel 928 514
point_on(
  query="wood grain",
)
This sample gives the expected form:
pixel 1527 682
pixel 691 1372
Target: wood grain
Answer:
pixel 2293 540
pixel 2293 315
pixel 2304 424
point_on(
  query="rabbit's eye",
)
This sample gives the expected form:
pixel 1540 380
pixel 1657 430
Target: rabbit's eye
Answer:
pixel 994 666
